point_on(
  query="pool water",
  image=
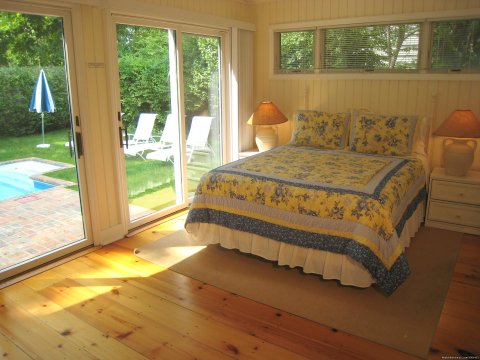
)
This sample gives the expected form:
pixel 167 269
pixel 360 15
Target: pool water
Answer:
pixel 15 178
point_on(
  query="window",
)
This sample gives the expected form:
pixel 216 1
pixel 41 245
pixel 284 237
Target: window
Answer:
pixel 296 50
pixel 455 45
pixel 390 47
pixel 405 46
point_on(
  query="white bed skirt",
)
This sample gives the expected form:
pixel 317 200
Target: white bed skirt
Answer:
pixel 329 265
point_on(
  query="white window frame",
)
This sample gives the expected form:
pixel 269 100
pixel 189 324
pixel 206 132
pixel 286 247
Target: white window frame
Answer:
pixel 424 19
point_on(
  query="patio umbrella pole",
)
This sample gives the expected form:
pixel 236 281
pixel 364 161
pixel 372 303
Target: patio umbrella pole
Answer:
pixel 43 129
pixel 43 145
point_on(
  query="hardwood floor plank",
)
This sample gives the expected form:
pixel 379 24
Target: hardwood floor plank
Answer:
pixel 63 322
pixel 219 305
pixel 142 309
pixel 208 327
pixel 10 350
pixel 35 338
pixel 122 324
pixel 111 304
pixel 263 321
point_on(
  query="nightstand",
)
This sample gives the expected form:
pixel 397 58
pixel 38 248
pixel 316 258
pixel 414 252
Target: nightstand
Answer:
pixel 454 202
pixel 247 153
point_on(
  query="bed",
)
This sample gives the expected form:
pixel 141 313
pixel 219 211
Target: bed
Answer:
pixel 342 199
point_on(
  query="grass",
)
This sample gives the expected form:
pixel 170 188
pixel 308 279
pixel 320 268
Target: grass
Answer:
pixel 143 177
pixel 25 146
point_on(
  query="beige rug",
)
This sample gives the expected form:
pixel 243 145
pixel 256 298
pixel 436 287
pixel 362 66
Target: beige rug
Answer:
pixel 406 320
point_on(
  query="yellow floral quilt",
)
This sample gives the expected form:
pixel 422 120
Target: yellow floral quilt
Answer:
pixel 333 200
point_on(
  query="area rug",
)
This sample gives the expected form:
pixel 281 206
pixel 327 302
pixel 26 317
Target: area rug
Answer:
pixel 405 320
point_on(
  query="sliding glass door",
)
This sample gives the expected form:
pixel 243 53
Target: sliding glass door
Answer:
pixel 203 104
pixel 170 115
pixel 42 193
pixel 148 119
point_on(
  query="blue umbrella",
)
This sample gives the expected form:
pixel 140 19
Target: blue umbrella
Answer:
pixel 42 101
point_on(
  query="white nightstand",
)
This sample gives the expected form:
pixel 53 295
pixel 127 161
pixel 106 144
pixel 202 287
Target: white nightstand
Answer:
pixel 454 202
pixel 247 153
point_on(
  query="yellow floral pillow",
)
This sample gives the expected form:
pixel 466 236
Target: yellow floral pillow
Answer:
pixel 382 134
pixel 320 129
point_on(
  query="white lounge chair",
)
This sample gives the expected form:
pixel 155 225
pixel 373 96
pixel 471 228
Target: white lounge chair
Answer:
pixel 169 134
pixel 198 135
pixel 142 139
pixel 197 139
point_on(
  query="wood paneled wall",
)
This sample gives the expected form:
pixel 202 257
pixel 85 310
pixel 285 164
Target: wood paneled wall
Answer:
pixel 434 98
pixel 232 9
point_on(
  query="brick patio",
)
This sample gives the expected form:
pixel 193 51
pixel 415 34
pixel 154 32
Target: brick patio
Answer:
pixel 37 223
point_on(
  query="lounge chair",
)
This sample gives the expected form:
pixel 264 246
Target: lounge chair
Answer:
pixel 197 139
pixel 142 139
pixel 169 134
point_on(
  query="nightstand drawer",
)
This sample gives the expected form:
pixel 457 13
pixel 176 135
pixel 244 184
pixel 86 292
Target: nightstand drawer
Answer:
pixel 455 191
pixel 453 213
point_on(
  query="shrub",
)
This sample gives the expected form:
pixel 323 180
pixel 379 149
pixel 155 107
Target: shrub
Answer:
pixel 17 88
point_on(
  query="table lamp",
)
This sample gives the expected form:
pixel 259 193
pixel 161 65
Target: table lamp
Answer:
pixel 265 115
pixel 458 153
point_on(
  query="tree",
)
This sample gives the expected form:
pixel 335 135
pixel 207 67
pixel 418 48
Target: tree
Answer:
pixel 296 50
pixel 456 44
pixel 201 66
pixel 30 40
pixel 143 57
pixel 144 72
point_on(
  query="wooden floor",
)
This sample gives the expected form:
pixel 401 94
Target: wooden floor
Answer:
pixel 109 304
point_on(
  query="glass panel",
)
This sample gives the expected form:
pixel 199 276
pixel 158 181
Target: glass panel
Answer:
pixel 40 208
pixel 456 44
pixel 384 47
pixel 296 50
pixel 201 78
pixel 150 118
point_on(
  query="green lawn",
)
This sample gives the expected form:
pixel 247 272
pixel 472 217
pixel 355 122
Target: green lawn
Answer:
pixel 144 177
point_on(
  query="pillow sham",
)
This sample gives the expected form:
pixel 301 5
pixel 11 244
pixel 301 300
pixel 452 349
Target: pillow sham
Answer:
pixel 320 129
pixel 382 134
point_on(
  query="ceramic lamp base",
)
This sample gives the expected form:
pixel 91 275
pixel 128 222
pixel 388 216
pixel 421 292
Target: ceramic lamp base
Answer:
pixel 266 138
pixel 458 156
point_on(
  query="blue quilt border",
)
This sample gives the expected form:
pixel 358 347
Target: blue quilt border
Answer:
pixel 387 280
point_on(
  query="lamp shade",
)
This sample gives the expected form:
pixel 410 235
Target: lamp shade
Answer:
pixel 266 113
pixel 460 124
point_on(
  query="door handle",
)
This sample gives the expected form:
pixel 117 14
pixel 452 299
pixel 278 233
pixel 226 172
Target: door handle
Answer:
pixel 78 137
pixel 120 135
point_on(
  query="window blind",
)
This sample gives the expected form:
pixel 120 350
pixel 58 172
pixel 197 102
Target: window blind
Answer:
pixel 378 47
pixel 456 45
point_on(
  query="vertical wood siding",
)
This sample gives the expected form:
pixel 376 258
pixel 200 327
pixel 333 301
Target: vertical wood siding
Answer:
pixel 232 9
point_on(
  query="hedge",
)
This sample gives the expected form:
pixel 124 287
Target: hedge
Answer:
pixel 17 85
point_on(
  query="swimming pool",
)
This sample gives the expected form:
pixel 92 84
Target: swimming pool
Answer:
pixel 16 180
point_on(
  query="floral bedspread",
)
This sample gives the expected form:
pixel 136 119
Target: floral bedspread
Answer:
pixel 339 201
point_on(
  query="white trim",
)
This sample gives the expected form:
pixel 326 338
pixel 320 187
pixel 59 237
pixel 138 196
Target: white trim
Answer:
pixel 180 198
pixel 377 76
pixel 226 98
pixel 234 93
